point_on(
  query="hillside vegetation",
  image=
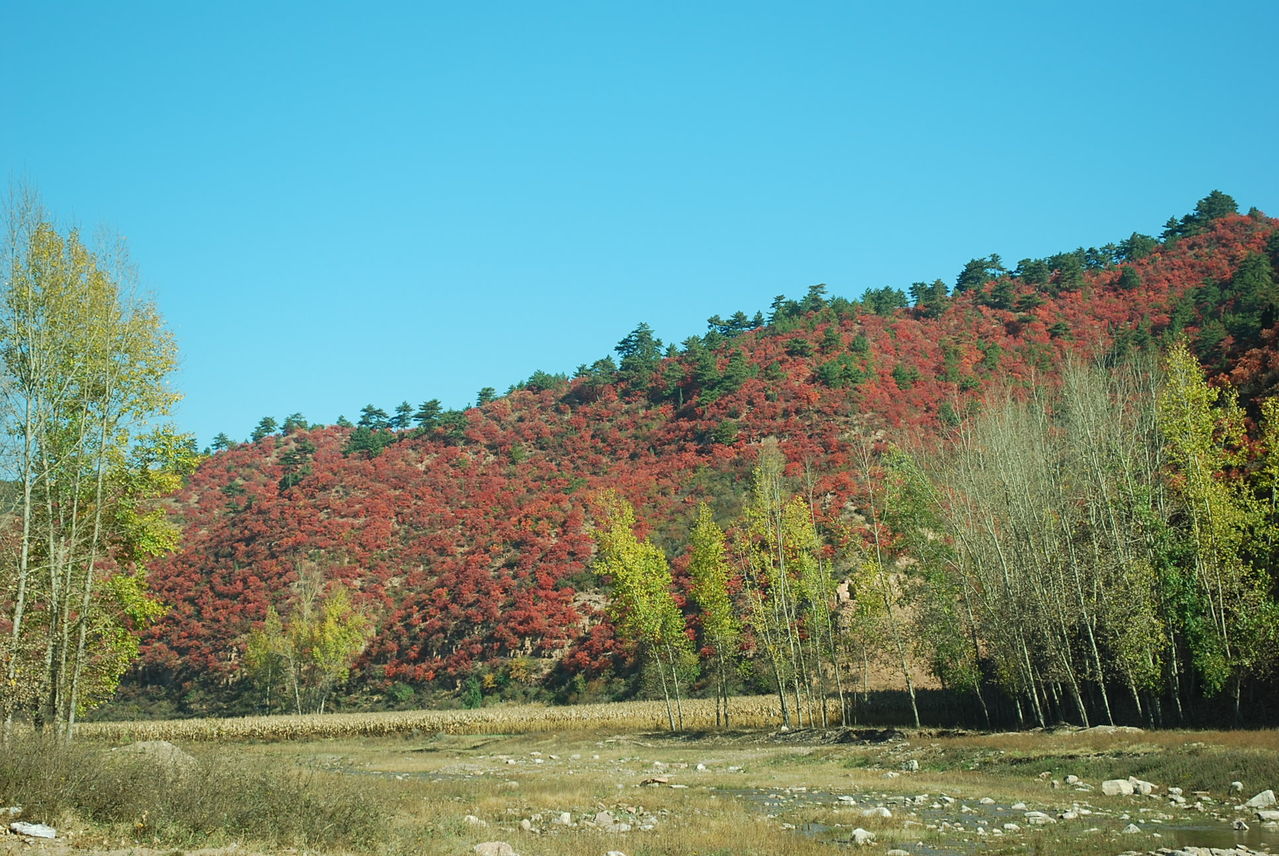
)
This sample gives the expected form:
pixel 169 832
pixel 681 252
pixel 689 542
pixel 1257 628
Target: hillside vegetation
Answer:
pixel 460 543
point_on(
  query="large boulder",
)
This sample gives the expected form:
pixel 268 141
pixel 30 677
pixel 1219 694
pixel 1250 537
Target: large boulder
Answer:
pixel 1117 788
pixel 1265 799
pixel 162 754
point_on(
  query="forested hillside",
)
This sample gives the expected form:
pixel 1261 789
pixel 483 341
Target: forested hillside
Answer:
pixel 460 544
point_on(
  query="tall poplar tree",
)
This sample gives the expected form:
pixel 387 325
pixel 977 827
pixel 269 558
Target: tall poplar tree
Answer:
pixel 709 568
pixel 84 365
pixel 643 606
pixel 1230 630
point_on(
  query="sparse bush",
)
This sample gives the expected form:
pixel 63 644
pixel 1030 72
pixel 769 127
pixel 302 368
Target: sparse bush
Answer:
pixel 221 801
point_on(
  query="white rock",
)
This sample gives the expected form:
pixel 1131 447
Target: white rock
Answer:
pixel 33 830
pixel 1018 806
pixel 1068 815
pixel 615 853
pixel 1131 829
pixel 1176 792
pixel 701 768
pixel 862 836
pixel 1236 787
pixel 896 852
pixel 911 766
pixel 1265 799
pixel 526 825
pixel 1239 826
pixel 986 801
pixel 1267 814
pixel 1011 827
pixel 603 818
pixel 877 811
pixel 472 820
pixel 1142 787
pixel 1072 780
pixel 1117 787
pixel 493 848
pixel 1038 818
pixel 563 819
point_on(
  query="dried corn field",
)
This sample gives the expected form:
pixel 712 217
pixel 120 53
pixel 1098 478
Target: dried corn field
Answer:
pixel 699 714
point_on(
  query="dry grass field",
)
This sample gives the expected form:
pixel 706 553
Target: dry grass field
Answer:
pixel 607 778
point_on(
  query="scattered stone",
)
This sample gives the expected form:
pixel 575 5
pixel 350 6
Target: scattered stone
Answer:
pixel 701 768
pixel 1176 792
pixel 1117 787
pixel 526 825
pixel 911 766
pixel 1267 814
pixel 494 848
pixel 1011 827
pixel 1018 806
pixel 1239 825
pixel 472 820
pixel 563 819
pixel 862 836
pixel 1131 829
pixel 877 811
pixel 1236 787
pixel 1265 799
pixel 897 852
pixel 603 818
pixel 1068 815
pixel 615 853
pixel 33 830
pixel 1072 780
pixel 1038 818
pixel 656 780
pixel 986 801
pixel 891 774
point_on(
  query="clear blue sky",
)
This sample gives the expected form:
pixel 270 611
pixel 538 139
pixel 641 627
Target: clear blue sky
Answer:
pixel 341 203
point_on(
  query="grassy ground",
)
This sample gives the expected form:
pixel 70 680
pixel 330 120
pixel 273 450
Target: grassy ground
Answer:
pixel 743 793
